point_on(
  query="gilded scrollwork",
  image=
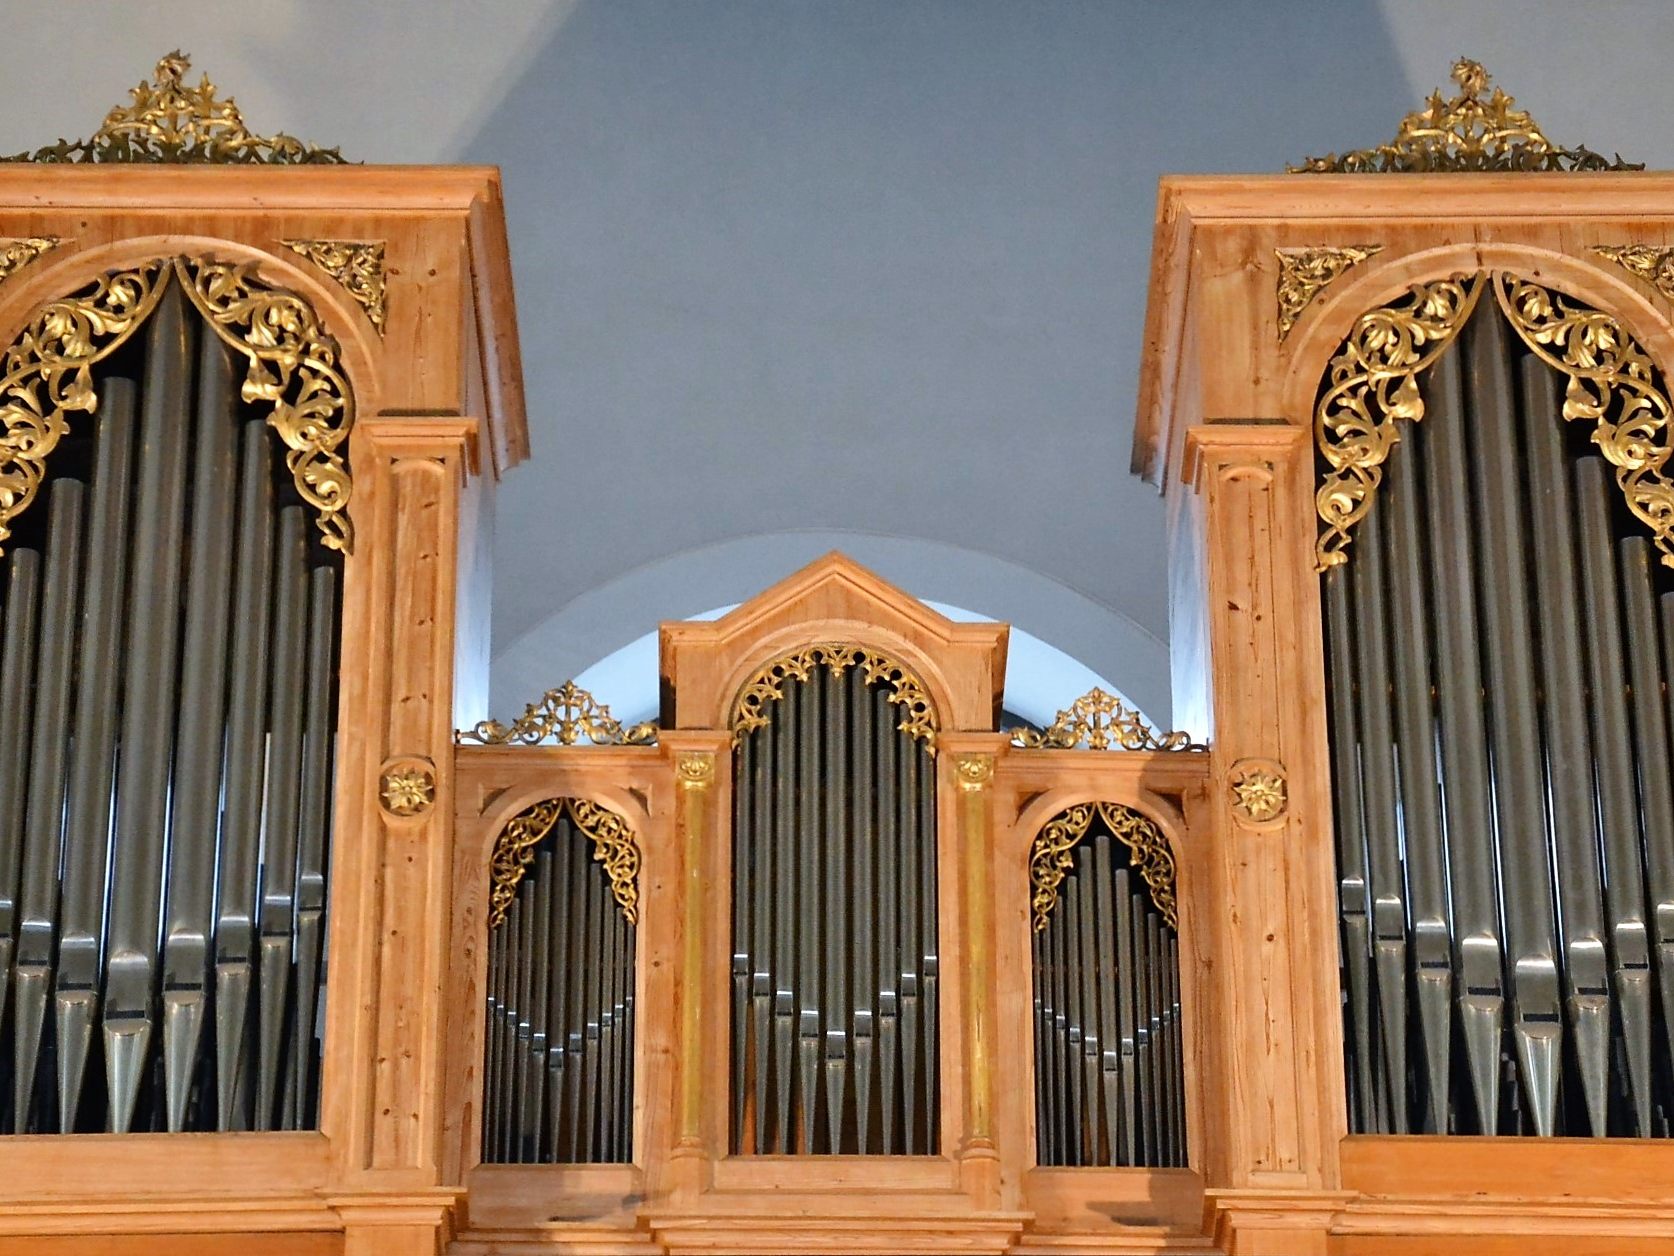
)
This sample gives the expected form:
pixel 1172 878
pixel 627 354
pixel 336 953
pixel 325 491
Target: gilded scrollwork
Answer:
pixel 566 714
pixel 356 265
pixel 612 838
pixel 293 368
pixel 172 122
pixel 16 253
pixel 918 715
pixel 1612 384
pixel 1371 386
pixel 48 373
pixel 1306 272
pixel 1100 721
pixel 1471 131
pixel 1645 261
pixel 1052 855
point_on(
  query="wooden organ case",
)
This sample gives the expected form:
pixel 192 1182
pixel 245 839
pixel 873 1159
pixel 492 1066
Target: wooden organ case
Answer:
pixel 304 955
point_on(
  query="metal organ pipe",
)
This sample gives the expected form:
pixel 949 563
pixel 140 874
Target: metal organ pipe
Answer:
pixel 136 654
pixel 834 899
pixel 1108 1074
pixel 1515 600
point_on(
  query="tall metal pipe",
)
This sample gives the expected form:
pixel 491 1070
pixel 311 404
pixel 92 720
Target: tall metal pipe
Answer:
pixel 1107 976
pixel 93 747
pixel 594 1011
pixel 313 823
pixel 1383 836
pixel 929 940
pixel 1569 751
pixel 912 888
pixel 195 811
pixel 1127 1016
pixel 1464 741
pixel 763 869
pixel 576 997
pixel 562 976
pixel 865 841
pixel 148 705
pixel 745 845
pixel 277 918
pixel 1067 943
pixel 539 1001
pixel 241 822
pixel 1092 1088
pixel 835 895
pixel 785 904
pixel 890 877
pixel 1651 749
pixel 1420 790
pixel 44 806
pixel 17 696
pixel 808 949
pixel 1513 723
pixel 1618 800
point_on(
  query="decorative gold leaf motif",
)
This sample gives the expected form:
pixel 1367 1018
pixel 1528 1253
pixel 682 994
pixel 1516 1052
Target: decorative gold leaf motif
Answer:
pixel 356 265
pixel 918 717
pixel 1467 132
pixel 1260 793
pixel 1612 384
pixel 407 791
pixel 1052 855
pixel 48 373
pixel 567 713
pixel 293 368
pixel 1371 383
pixel 1305 273
pixel 614 846
pixel 1101 721
pixel 18 253
pixel 1654 265
pixel 171 122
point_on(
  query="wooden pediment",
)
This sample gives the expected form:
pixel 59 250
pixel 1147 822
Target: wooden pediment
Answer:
pixel 833 600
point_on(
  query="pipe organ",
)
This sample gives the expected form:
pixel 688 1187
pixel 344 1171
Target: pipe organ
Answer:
pixel 300 952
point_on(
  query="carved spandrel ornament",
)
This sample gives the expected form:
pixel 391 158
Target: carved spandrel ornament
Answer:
pixel 1473 131
pixel 17 253
pixel 1304 273
pixel 1648 262
pixel 356 265
pixel 172 123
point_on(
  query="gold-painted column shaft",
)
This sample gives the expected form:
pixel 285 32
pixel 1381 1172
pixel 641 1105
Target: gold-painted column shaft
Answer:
pixel 695 772
pixel 973 773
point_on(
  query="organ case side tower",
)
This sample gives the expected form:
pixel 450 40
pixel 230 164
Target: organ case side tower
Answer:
pixel 1408 408
pixel 254 402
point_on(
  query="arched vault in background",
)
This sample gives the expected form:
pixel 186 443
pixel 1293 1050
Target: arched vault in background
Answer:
pixel 1061 636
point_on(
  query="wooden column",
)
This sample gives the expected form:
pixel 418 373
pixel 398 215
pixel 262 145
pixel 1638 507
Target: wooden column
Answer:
pixel 972 763
pixel 392 858
pixel 702 840
pixel 1276 998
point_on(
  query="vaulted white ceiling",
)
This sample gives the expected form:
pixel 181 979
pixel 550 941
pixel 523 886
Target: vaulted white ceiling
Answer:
pixel 793 271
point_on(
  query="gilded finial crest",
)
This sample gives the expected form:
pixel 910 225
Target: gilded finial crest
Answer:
pixel 566 715
pixel 1100 721
pixel 174 123
pixel 1472 131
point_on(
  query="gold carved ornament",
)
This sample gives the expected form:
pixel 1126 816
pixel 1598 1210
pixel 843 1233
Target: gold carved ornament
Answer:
pixel 1371 383
pixel 48 373
pixel 407 791
pixel 1305 273
pixel 1472 131
pixel 566 714
pixel 1646 261
pixel 292 368
pixel 1260 792
pixel 1052 855
pixel 1100 721
pixel 613 842
pixel 1613 384
pixel 918 716
pixel 17 253
pixel 357 266
pixel 171 122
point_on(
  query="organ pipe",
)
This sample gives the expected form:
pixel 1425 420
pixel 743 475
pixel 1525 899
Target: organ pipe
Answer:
pixel 834 960
pixel 1504 605
pixel 180 708
pixel 558 1048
